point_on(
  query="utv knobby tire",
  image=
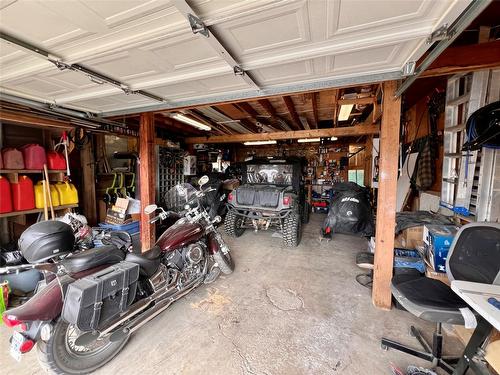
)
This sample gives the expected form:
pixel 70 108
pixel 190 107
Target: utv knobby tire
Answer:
pixel 306 212
pixel 292 230
pixel 225 262
pixel 232 224
pixel 56 358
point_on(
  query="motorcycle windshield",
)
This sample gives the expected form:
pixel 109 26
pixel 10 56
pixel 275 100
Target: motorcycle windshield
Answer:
pixel 180 196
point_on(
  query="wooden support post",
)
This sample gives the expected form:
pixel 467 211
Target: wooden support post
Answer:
pixel 368 161
pixel 89 204
pixel 147 176
pixel 386 202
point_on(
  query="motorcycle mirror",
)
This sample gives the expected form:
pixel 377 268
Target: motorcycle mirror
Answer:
pixel 150 209
pixel 203 180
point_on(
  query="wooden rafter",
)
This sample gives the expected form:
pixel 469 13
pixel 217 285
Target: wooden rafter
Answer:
pixel 314 105
pixel 216 128
pixel 268 107
pixel 472 57
pixel 235 113
pixel 293 113
pixel 348 131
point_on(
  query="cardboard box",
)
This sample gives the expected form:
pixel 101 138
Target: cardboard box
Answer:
pixel 432 274
pixel 409 238
pixel 438 239
pixel 117 213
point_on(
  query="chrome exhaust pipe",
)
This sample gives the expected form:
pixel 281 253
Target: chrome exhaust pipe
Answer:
pixel 154 311
pixel 141 305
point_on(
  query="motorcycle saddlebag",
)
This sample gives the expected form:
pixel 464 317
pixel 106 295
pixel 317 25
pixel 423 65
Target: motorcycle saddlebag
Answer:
pixel 97 298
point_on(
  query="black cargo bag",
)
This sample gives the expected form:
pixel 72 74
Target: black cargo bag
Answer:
pixel 350 211
pixel 95 299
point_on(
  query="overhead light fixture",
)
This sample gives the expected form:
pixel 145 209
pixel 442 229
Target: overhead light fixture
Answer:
pixel 307 140
pixel 259 143
pixel 334 139
pixel 345 112
pixel 190 121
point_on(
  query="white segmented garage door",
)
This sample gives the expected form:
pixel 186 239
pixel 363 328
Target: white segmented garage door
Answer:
pixel 149 45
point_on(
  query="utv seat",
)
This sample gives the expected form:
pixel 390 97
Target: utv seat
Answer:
pixel 91 258
pixel 148 261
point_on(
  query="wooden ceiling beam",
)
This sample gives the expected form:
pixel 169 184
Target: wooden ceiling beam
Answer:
pixel 31 120
pixel 204 119
pixel 348 131
pixel 271 111
pixel 471 58
pixel 235 113
pixel 246 107
pixel 314 105
pixel 356 101
pixel 293 113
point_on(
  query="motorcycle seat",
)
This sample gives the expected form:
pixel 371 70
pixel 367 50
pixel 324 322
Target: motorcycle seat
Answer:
pixel 91 258
pixel 148 261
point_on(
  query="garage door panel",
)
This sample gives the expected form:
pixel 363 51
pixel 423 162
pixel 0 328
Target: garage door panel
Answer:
pixel 37 87
pixel 269 30
pixel 365 59
pixel 180 90
pixel 184 52
pixel 285 73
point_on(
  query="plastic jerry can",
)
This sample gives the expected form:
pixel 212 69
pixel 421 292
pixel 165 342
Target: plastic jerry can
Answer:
pixel 34 156
pixel 5 195
pixel 23 195
pixel 39 195
pixel 56 160
pixel 12 158
pixel 67 193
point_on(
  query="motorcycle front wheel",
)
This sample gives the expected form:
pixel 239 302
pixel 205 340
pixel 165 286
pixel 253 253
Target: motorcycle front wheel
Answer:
pixel 225 262
pixel 60 354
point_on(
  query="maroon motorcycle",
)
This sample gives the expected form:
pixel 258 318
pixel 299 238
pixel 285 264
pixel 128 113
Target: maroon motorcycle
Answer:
pixel 86 311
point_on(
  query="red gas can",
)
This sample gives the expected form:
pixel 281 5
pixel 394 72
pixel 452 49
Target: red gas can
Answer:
pixel 56 160
pixel 34 156
pixel 23 194
pixel 12 158
pixel 5 196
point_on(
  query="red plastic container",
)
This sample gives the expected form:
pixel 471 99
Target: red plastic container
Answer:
pixel 23 194
pixel 12 158
pixel 56 160
pixel 34 156
pixel 5 195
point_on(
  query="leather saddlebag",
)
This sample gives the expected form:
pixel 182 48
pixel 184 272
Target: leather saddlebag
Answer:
pixel 95 299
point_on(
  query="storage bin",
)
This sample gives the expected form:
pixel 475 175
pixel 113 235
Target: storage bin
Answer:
pixel 34 156
pixel 131 228
pixel 56 160
pixel 23 195
pixel 39 195
pixel 5 196
pixel 67 193
pixel 12 158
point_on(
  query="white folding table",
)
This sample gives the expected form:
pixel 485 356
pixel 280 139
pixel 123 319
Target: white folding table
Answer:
pixel 476 295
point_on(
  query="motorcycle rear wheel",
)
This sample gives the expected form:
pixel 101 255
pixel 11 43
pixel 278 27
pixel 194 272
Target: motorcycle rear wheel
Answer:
pixel 60 355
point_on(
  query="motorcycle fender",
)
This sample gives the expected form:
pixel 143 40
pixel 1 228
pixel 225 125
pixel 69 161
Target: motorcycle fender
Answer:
pixel 45 305
pixel 213 245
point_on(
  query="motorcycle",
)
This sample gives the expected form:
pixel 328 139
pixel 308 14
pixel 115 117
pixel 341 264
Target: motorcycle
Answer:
pixel 83 317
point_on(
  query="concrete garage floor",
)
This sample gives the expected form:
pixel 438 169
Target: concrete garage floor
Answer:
pixel 283 311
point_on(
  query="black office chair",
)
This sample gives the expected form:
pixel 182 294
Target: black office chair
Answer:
pixel 473 256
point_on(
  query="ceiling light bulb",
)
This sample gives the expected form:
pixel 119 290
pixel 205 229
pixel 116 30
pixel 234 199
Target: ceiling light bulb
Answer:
pixel 334 139
pixel 188 120
pixel 259 143
pixel 307 140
